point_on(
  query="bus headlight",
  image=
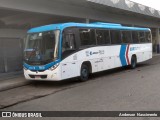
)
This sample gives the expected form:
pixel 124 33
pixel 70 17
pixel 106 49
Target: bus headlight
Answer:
pixel 54 67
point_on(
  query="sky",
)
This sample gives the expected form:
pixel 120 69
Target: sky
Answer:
pixel 151 3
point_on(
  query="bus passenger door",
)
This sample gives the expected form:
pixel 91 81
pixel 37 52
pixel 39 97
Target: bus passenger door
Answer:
pixel 69 47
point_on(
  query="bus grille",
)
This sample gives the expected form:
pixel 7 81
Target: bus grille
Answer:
pixel 41 76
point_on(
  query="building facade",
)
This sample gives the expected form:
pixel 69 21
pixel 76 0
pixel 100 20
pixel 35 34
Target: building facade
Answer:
pixel 17 16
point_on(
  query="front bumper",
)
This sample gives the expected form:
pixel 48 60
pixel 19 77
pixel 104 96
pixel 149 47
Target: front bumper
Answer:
pixel 46 75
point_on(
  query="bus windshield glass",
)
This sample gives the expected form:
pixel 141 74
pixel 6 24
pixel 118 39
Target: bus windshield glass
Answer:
pixel 41 48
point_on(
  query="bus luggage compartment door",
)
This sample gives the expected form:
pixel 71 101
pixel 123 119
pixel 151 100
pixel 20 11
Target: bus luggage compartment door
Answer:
pixel 69 70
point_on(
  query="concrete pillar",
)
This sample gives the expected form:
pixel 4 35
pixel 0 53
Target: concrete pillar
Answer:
pixel 158 40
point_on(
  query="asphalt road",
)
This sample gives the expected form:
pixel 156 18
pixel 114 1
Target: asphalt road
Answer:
pixel 115 90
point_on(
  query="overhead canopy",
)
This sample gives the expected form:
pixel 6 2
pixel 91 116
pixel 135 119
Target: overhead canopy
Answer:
pixel 129 6
pixel 30 13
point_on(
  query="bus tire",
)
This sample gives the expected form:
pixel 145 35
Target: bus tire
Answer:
pixel 84 73
pixel 133 62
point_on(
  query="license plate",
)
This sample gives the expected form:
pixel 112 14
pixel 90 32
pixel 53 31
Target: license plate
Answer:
pixel 37 77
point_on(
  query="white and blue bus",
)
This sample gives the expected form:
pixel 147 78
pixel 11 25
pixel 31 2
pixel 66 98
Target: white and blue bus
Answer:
pixel 61 51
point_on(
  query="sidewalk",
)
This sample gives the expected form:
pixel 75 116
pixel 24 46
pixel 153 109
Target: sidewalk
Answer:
pixel 12 80
pixel 6 76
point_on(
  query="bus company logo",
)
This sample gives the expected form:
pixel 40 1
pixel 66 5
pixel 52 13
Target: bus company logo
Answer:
pixel 90 53
pixel 134 48
pixel 101 52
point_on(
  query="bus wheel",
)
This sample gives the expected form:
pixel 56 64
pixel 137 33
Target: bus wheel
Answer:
pixel 84 75
pixel 133 62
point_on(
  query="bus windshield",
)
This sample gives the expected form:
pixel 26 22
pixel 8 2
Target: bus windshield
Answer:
pixel 41 48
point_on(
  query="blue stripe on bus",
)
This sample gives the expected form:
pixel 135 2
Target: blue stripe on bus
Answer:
pixel 122 55
pixel 42 67
pixel 83 25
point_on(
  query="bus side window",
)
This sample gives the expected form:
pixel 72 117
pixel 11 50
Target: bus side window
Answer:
pixel 100 37
pixel 126 37
pixel 68 45
pixel 142 37
pixel 135 37
pixel 115 37
pixel 103 37
pixel 148 37
pixel 87 37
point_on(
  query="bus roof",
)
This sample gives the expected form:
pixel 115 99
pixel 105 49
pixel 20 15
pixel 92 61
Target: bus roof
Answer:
pixel 100 25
